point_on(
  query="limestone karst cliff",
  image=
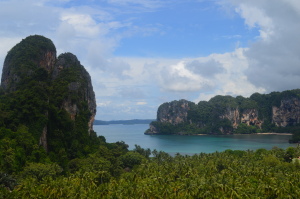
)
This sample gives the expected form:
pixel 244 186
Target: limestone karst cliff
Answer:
pixel 226 114
pixel 79 86
pixel 25 60
pixel 52 96
pixel 175 112
pixel 288 113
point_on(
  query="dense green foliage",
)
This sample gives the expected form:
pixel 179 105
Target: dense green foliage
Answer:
pixel 207 117
pixel 23 63
pixel 228 174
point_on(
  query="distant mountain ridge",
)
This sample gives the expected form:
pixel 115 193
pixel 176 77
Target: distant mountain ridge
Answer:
pixel 125 122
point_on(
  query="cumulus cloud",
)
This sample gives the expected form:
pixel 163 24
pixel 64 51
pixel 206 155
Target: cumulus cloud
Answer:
pixel 273 59
pixel 206 69
pixel 141 103
pixel 195 78
pixel 178 78
pixel 230 80
pixel 256 17
pixel 82 24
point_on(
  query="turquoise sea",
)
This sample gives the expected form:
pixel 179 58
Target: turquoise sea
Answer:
pixel 134 134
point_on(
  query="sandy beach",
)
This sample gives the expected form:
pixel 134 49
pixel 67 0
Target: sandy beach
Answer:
pixel 270 133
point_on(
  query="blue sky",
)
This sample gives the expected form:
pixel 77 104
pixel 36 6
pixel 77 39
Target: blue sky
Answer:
pixel 187 29
pixel 142 53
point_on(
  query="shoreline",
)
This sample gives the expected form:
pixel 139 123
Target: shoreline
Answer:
pixel 270 133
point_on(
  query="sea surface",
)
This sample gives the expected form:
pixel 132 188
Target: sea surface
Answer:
pixel 172 144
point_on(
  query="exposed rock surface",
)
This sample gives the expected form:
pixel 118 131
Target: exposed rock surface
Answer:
pixel 233 115
pixel 288 114
pixel 174 112
pixel 224 114
pixel 80 86
pixel 152 130
pixel 250 117
pixel 65 84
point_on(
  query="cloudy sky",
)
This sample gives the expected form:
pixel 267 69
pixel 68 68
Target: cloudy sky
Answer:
pixel 141 53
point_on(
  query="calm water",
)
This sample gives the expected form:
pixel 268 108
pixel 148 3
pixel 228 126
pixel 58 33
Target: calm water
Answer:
pixel 134 134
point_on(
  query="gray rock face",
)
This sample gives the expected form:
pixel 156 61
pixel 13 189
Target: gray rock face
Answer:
pixel 288 114
pixel 79 86
pixel 152 130
pixel 250 117
pixel 233 115
pixel 229 116
pixel 247 116
pixel 174 112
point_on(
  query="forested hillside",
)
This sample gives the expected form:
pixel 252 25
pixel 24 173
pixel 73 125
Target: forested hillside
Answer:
pixel 274 112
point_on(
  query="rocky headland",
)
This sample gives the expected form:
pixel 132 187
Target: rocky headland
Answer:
pixel 274 112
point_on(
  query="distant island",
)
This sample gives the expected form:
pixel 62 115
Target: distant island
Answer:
pixel 124 122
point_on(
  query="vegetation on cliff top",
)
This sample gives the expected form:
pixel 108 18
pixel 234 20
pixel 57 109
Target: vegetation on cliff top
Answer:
pixel 209 117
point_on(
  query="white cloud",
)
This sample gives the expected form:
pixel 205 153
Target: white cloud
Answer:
pixel 178 78
pixel 232 81
pixel 274 60
pixel 83 24
pixel 206 69
pixel 256 17
pixel 103 103
pixel 141 103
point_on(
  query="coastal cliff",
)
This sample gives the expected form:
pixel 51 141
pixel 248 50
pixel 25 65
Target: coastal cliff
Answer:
pixel 287 114
pixel 52 96
pixel 227 115
pixel 175 112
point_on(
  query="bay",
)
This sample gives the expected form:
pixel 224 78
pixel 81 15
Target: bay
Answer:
pixel 172 144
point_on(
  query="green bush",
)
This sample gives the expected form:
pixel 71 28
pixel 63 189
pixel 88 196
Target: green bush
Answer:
pixel 39 171
pixel 131 159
